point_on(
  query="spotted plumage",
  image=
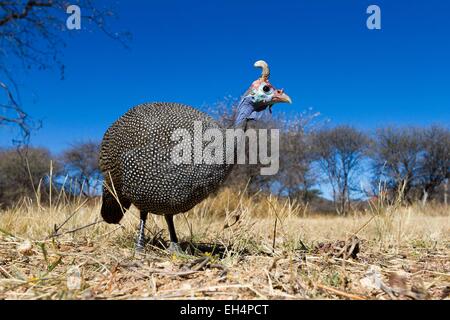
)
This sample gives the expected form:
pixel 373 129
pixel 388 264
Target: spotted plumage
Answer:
pixel 136 156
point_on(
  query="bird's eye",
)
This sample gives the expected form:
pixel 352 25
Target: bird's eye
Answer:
pixel 267 89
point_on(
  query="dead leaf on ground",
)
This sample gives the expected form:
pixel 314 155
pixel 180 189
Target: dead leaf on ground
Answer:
pixel 398 281
pixel 340 249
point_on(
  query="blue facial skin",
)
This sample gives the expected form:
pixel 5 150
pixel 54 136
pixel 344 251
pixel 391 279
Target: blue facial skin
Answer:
pixel 254 102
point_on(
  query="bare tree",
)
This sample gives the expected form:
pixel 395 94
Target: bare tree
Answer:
pixel 396 159
pixel 340 152
pixel 32 35
pixel 80 164
pixel 296 177
pixel 434 165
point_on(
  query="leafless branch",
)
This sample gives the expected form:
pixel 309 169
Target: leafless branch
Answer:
pixel 25 11
pixel 32 36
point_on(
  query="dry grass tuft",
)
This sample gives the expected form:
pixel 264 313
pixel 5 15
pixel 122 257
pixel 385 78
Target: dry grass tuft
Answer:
pixel 247 248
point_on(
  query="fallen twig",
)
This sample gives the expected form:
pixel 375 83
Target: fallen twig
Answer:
pixel 341 293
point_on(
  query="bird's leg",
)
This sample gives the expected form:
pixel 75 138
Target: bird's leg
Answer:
pixel 140 242
pixel 174 246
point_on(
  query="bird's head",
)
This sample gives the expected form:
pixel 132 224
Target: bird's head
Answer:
pixel 260 96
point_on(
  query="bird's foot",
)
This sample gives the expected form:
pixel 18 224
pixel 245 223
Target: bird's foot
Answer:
pixel 139 248
pixel 174 248
pixel 140 244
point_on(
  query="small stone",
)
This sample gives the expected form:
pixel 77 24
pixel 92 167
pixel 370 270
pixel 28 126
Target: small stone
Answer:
pixel 25 248
pixel 372 279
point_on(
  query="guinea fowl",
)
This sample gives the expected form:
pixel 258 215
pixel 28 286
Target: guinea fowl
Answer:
pixel 136 161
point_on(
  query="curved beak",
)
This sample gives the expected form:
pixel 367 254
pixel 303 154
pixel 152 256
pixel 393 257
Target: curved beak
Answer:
pixel 280 97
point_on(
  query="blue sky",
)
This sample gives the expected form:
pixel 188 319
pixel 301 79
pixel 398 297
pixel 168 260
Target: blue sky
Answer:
pixel 198 52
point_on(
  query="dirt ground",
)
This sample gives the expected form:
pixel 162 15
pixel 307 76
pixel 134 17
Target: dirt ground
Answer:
pixel 394 254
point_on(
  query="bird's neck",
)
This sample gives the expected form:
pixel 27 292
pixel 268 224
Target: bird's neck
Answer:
pixel 245 112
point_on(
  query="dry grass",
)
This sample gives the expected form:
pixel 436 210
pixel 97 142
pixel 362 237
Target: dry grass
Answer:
pixel 385 253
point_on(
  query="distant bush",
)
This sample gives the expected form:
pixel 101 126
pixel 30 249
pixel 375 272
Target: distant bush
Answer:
pixel 23 173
